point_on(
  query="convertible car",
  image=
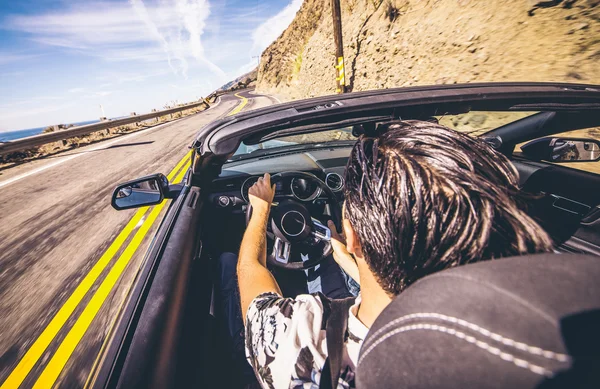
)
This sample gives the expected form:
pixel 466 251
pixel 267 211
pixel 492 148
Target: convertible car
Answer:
pixel 169 332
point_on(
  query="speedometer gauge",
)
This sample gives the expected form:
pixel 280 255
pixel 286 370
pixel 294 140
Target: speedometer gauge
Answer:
pixel 246 187
pixel 305 190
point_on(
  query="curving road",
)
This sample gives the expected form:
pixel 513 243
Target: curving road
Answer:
pixel 57 226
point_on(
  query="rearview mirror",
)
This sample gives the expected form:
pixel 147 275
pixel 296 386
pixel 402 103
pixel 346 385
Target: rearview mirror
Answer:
pixel 143 191
pixel 562 150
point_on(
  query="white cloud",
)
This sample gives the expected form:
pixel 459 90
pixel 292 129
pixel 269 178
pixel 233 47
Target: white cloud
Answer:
pixel 6 58
pixel 76 90
pixel 82 25
pixel 96 95
pixel 270 30
pixel 251 65
pixel 135 77
pixel 34 111
pixel 12 74
pixel 59 42
pixel 32 102
pixel 194 14
pixel 112 48
pixel 142 54
pixel 169 31
pixel 142 13
pixel 34 98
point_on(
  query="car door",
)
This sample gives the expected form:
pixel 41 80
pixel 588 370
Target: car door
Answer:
pixel 569 205
pixel 144 345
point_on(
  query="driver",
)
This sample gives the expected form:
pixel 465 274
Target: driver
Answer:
pixel 419 198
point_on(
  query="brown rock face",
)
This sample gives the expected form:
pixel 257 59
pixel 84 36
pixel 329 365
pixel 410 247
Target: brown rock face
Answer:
pixel 392 43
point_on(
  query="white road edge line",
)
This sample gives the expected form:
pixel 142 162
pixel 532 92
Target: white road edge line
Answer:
pixel 101 146
pixel 73 156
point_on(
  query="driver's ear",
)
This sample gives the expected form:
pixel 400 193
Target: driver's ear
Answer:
pixel 352 243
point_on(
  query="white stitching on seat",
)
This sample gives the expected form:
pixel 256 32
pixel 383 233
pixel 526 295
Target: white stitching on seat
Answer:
pixel 460 335
pixel 499 338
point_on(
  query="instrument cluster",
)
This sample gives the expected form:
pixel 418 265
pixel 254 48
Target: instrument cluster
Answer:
pixel 302 189
pixel 233 192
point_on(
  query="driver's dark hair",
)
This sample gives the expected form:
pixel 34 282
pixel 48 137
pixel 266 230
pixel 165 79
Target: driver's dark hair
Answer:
pixel 422 198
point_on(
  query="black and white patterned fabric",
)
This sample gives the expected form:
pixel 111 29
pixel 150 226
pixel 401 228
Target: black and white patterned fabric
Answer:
pixel 285 341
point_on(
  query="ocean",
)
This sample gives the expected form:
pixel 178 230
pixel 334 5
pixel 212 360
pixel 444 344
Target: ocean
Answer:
pixel 18 134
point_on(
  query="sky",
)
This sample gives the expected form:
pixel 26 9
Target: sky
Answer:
pixel 61 60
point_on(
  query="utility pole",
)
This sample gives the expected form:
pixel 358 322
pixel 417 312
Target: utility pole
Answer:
pixel 339 46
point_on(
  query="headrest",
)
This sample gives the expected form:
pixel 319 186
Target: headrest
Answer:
pixel 523 322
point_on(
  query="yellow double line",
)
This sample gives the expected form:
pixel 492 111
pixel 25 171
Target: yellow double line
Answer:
pixel 240 106
pixel 67 346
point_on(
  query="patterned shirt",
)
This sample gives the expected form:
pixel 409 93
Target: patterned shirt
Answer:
pixel 285 341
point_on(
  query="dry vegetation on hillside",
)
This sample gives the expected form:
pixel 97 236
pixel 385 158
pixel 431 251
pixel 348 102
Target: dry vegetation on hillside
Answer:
pixel 391 43
pixel 394 43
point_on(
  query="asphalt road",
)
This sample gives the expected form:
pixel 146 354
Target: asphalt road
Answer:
pixel 57 225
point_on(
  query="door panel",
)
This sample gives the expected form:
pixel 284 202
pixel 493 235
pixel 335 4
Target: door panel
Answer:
pixel 144 348
pixel 566 206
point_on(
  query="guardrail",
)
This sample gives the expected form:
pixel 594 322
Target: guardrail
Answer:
pixel 213 96
pixel 42 139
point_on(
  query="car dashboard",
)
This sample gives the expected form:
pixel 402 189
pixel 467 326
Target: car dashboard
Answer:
pixel 230 189
pixel 552 206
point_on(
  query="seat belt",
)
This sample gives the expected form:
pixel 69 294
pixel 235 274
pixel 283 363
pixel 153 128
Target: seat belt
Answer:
pixel 335 335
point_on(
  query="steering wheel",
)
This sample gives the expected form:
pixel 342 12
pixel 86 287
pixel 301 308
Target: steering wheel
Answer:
pixel 291 225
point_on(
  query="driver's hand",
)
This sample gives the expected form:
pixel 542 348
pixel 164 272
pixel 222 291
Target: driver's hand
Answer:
pixel 338 243
pixel 261 195
pixel 340 253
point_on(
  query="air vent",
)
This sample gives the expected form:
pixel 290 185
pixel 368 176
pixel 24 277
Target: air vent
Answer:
pixel 334 181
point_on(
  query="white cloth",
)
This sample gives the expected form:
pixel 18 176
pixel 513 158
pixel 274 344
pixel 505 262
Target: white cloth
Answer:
pixel 285 341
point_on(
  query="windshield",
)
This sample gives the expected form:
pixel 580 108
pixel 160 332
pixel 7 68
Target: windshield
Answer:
pixel 474 123
pixel 343 134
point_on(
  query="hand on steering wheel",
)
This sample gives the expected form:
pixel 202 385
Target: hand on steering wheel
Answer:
pixel 291 222
pixel 261 194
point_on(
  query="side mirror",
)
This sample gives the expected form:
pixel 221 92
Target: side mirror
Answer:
pixel 563 150
pixel 149 190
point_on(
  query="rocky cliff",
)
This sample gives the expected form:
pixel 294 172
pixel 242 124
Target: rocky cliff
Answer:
pixel 392 43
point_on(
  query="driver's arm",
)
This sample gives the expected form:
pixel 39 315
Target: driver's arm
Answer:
pixel 253 276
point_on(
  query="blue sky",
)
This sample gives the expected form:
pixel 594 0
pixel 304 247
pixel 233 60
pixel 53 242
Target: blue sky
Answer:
pixel 61 60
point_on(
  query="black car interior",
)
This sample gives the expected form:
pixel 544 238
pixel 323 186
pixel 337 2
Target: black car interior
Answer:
pixel 179 337
pixel 521 322
pixel 562 198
